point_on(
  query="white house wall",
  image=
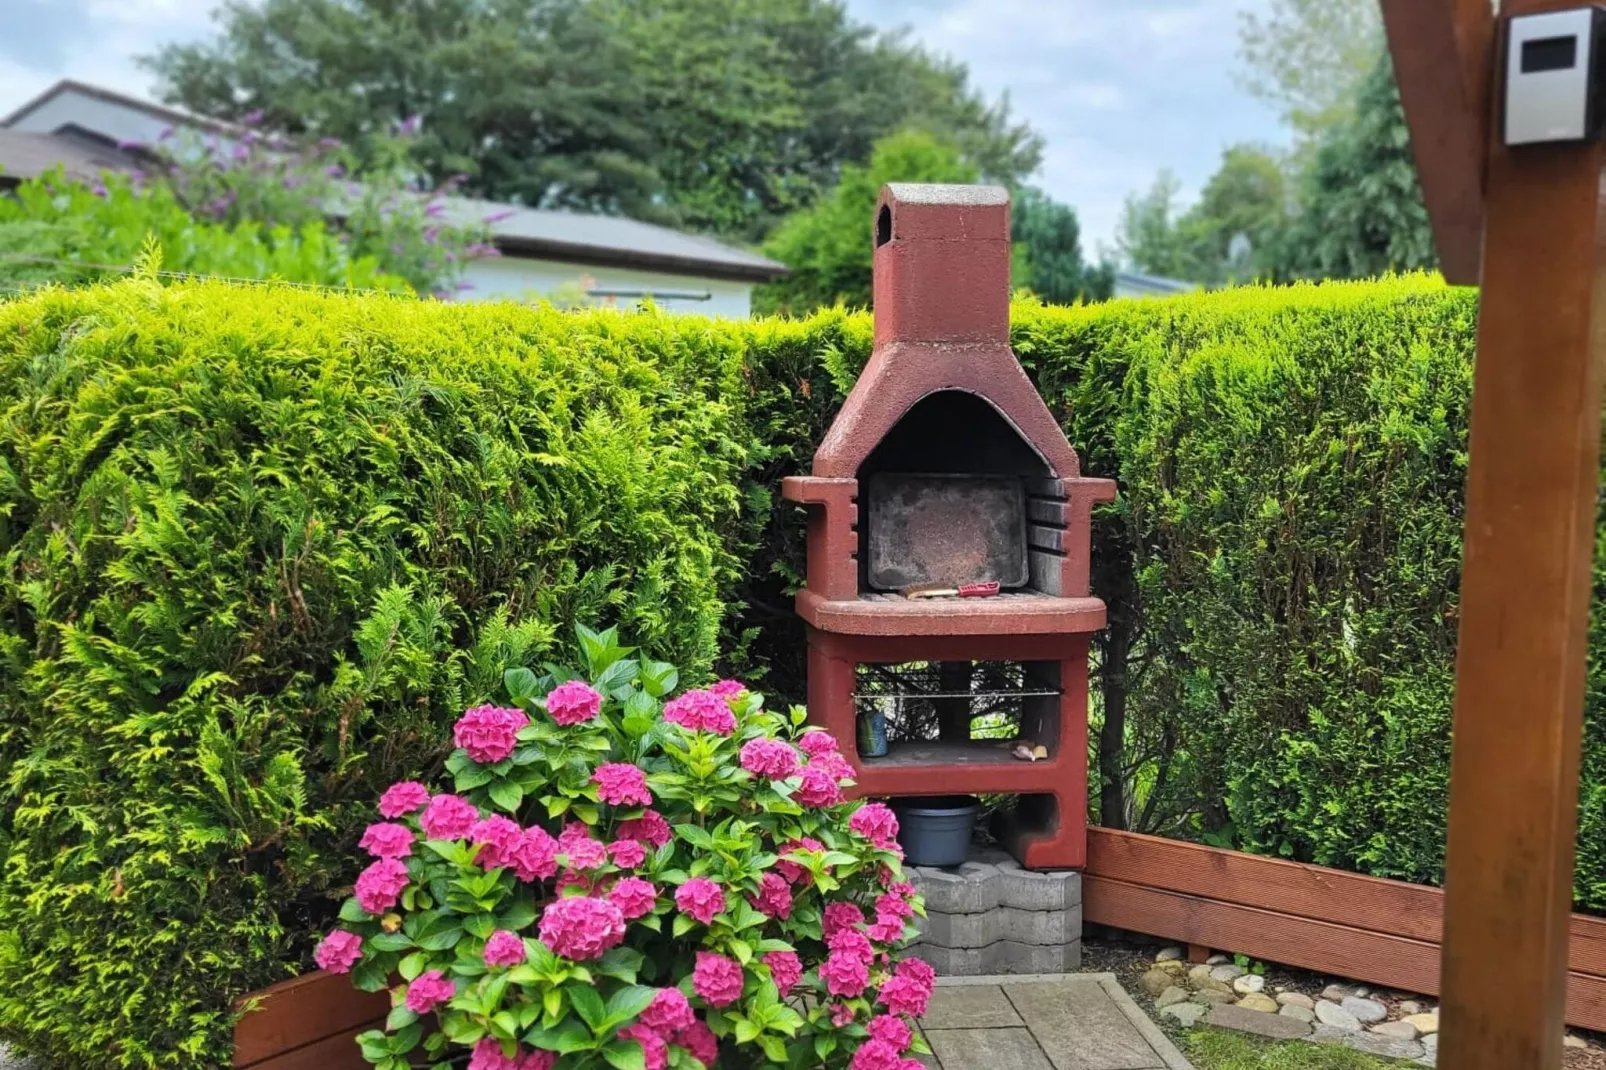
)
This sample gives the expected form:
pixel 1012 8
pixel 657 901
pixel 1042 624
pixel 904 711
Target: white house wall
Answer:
pixel 517 278
pixel 116 121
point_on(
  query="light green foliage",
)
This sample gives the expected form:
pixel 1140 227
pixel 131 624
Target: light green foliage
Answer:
pixel 720 115
pixel 829 246
pixel 1307 57
pixel 1217 1049
pixel 258 547
pixel 1147 236
pixel 55 230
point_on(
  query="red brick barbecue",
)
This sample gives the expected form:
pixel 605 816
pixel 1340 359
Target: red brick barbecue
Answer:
pixel 945 470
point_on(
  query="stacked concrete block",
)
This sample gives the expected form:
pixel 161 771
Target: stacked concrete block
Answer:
pixel 990 916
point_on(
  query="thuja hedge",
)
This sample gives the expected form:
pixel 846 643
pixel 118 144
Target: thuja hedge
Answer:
pixel 259 546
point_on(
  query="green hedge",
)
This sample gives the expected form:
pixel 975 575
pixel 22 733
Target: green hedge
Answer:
pixel 260 545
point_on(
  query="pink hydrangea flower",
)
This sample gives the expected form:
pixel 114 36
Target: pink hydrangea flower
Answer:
pixel 877 823
pixel 583 852
pixel 634 897
pixel 701 898
pixel 536 856
pixel 698 1039
pixel 817 743
pixel 729 689
pixel 909 988
pixel 449 817
pixel 338 952
pixel 886 929
pixel 380 885
pixel 717 979
pixel 488 1055
pixel 428 990
pixel 838 916
pixel 581 927
pixel 489 733
pixel 504 949
pixel 786 969
pixel 650 829
pixel 819 788
pixel 386 839
pixel 621 784
pixel 772 759
pixel 774 898
pixel 498 838
pixel 701 711
pixel 894 904
pixel 627 854
pixel 795 871
pixel 851 942
pixel 573 703
pixel 891 1030
pixel 654 1049
pixel 876 1055
pixel 841 1015
pixel 845 974
pixel 408 797
pixel 833 765
pixel 669 1012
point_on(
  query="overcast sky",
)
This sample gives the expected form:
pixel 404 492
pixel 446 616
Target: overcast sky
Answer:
pixel 1118 88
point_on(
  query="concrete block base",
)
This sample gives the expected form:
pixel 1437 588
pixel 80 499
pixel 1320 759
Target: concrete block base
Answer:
pixel 991 916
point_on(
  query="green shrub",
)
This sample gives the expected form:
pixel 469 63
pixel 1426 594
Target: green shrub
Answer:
pixel 258 545
pixel 53 229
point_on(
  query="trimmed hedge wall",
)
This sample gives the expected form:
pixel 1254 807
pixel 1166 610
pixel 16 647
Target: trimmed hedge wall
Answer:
pixel 259 546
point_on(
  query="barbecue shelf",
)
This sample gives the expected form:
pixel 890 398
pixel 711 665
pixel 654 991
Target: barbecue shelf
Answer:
pixel 1025 613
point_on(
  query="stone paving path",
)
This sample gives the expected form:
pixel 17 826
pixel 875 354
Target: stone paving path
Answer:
pixel 1043 1022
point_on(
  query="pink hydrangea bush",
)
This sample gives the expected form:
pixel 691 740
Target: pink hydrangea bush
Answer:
pixel 619 875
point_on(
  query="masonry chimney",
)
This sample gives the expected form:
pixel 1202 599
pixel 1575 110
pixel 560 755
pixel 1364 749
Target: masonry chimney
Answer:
pixel 942 264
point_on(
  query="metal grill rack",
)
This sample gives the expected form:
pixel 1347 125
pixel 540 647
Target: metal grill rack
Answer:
pixel 909 695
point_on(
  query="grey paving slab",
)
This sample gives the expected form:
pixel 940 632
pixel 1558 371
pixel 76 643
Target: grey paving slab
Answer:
pixel 970 1007
pixel 1081 1028
pixel 995 1049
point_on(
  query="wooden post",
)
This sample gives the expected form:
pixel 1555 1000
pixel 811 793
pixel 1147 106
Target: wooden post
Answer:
pixel 1525 592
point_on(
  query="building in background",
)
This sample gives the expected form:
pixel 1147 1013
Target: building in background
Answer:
pixel 1136 284
pixel 603 260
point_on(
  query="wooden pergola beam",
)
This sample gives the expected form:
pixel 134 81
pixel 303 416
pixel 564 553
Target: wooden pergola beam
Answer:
pixel 1530 533
pixel 1442 51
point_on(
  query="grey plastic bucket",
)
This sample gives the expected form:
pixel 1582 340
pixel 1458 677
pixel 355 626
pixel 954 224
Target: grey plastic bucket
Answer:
pixel 936 831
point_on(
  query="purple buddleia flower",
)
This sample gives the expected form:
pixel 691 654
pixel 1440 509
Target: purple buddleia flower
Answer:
pixel 410 125
pixel 251 118
pixel 497 217
pixel 435 209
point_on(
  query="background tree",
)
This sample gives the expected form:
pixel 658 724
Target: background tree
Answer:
pixel 1050 236
pixel 1361 209
pixel 829 246
pixel 1147 236
pixel 722 115
pixel 1308 57
pixel 1235 231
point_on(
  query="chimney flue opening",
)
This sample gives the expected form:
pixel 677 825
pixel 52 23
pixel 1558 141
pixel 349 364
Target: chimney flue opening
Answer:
pixel 883 226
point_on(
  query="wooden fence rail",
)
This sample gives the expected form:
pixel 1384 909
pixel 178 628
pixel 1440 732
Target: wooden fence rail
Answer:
pixel 1381 931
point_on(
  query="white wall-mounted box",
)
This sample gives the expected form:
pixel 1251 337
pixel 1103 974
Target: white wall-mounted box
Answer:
pixel 1552 90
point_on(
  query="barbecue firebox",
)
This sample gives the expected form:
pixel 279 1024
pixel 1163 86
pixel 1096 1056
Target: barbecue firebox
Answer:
pixel 943 473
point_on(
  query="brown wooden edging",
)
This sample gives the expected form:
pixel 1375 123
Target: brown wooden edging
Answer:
pixel 308 1024
pixel 1382 931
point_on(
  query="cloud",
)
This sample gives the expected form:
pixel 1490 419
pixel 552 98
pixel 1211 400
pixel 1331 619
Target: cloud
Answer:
pixel 92 40
pixel 1119 91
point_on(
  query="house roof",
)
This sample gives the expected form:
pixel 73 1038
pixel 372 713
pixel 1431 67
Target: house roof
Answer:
pixel 1136 280
pixel 175 116
pixel 609 240
pixel 24 156
pixel 570 237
